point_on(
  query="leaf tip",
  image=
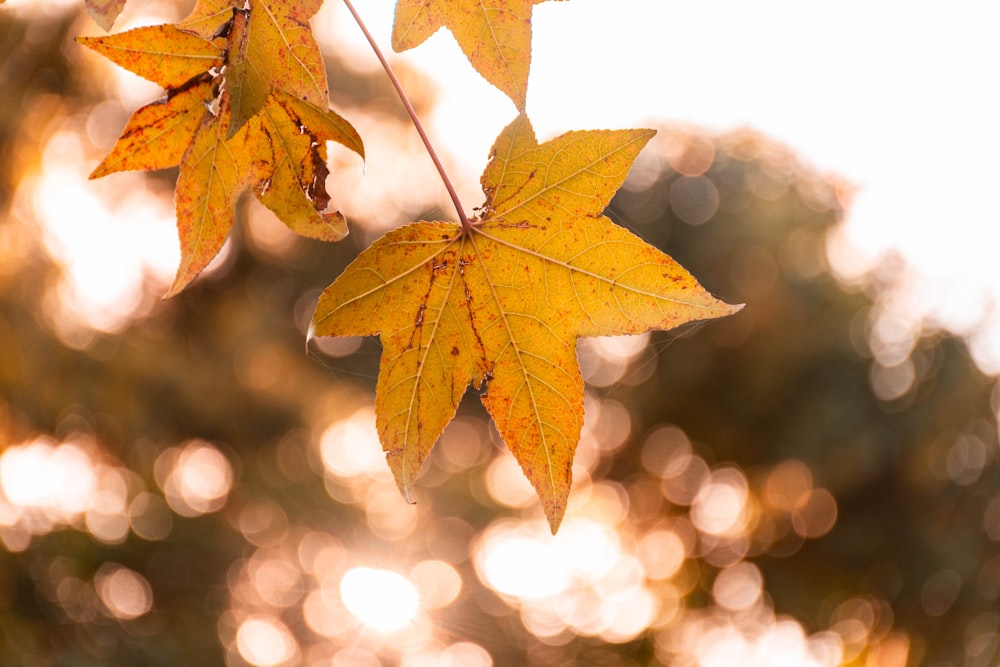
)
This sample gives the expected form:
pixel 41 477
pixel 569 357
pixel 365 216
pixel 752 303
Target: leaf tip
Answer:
pixel 336 226
pixel 174 290
pixel 717 308
pixel 310 333
pixel 101 170
pixel 181 281
pixel 236 123
pixel 555 518
pixel 555 508
pixel 406 490
pixel 729 309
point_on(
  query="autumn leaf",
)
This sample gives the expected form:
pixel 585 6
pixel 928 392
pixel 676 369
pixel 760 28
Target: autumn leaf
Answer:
pixel 289 170
pixel 163 54
pixel 501 306
pixel 212 176
pixel 277 155
pixel 263 60
pixel 495 36
pixel 104 12
pixel 157 134
pixel 270 45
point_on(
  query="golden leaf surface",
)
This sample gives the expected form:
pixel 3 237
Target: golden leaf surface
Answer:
pixel 213 174
pixel 288 167
pixel 495 36
pixel 157 134
pixel 277 155
pixel 270 46
pixel 501 307
pixel 280 149
pixel 163 54
pixel 104 12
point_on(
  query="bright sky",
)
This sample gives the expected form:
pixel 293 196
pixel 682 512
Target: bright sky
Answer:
pixel 897 97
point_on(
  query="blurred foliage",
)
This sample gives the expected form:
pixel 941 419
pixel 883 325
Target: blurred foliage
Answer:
pixel 791 377
pixel 796 377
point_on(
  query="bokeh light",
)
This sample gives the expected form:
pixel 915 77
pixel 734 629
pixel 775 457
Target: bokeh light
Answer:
pixel 437 582
pixel 662 552
pixel 265 642
pixel 125 593
pixel 46 485
pixel 43 476
pixel 579 581
pixel 177 476
pixel 196 478
pixel 150 517
pixel 606 361
pixel 136 229
pixel 719 507
pixel 350 447
pixel 694 199
pixel 738 586
pixel 507 484
pixel 381 599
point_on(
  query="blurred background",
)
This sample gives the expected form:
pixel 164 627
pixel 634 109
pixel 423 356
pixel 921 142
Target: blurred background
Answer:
pixel 812 482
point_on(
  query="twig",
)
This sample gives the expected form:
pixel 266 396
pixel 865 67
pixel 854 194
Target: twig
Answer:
pixel 466 225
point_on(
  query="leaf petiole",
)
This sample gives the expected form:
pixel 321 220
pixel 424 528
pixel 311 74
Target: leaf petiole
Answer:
pixel 466 225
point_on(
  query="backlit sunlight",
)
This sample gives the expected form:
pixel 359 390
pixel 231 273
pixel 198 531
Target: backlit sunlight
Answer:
pixel 381 599
pixel 810 483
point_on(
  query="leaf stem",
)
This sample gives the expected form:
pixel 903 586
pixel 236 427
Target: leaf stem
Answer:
pixel 466 225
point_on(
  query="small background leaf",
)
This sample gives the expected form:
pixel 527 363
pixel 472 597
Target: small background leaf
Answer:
pixel 104 12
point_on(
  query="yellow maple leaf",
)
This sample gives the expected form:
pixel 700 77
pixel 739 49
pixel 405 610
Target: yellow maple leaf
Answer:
pixel 287 144
pixel 157 134
pixel 163 54
pixel 212 176
pixel 278 155
pixel 495 36
pixel 280 149
pixel 270 45
pixel 502 305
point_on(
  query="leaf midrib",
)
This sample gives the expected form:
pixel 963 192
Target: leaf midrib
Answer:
pixel 397 277
pixel 553 487
pixel 590 274
pixel 499 213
